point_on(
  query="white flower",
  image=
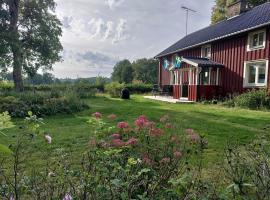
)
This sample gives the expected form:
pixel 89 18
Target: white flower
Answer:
pixel 11 197
pixel 48 139
pixel 67 197
pixel 51 174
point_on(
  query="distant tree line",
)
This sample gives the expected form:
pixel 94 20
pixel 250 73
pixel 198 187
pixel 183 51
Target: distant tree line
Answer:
pixel 49 78
pixel 143 70
pixel 220 7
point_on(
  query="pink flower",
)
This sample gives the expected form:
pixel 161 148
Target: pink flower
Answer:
pixel 118 143
pixel 67 197
pixel 123 125
pixel 105 145
pixel 115 136
pixel 177 154
pixel 97 115
pixel 174 139
pixel 141 121
pixel 189 131
pixel 48 138
pixel 146 160
pixel 150 125
pixel 156 132
pixel 132 142
pixel 164 118
pixel 194 137
pixel 112 117
pixel 92 143
pixel 11 197
pixel 169 126
pixel 165 161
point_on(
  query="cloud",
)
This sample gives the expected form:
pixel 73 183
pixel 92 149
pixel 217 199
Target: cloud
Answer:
pixel 113 3
pixel 121 30
pixel 66 21
pixel 95 58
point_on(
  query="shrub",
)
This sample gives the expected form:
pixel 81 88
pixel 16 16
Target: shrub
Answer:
pixel 114 89
pixel 139 88
pixel 253 99
pixel 6 85
pixel 41 103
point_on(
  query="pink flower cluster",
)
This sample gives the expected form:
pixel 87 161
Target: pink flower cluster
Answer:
pixel 141 122
pixel 112 117
pixel 97 115
pixel 123 125
pixel 156 132
pixel 117 142
pixel 164 119
pixel 194 137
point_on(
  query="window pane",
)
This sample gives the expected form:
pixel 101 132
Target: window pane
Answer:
pixel 251 74
pixel 261 76
pixel 255 40
pixel 261 38
pixel 205 77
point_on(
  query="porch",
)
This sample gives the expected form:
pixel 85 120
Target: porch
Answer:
pixel 198 79
pixel 168 99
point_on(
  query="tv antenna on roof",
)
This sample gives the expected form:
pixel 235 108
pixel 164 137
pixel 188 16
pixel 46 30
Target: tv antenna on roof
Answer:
pixel 187 14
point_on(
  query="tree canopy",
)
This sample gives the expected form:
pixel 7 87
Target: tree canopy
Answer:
pixel 123 72
pixel 143 70
pixel 219 9
pixel 30 36
pixel 146 70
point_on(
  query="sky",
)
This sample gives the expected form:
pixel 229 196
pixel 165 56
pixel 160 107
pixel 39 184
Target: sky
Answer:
pixel 98 33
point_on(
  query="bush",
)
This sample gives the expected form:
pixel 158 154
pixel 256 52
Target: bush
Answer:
pixel 6 86
pixel 41 103
pixel 139 88
pixel 253 99
pixel 114 89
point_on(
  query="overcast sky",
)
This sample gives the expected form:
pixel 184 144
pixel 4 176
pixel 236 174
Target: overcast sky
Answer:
pixel 98 33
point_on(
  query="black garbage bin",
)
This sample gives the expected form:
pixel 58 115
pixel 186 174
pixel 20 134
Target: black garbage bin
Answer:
pixel 125 94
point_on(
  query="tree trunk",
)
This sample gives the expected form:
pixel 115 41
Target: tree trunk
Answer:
pixel 16 44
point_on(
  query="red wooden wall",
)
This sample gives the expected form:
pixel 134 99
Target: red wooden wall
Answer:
pixel 232 52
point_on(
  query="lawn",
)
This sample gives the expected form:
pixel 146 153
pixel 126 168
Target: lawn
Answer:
pixel 220 125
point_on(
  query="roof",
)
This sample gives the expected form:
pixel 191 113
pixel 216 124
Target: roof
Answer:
pixel 255 18
pixel 201 62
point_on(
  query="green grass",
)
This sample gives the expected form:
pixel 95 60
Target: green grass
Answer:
pixel 220 125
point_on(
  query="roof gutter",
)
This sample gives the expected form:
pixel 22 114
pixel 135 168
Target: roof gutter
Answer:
pixel 215 39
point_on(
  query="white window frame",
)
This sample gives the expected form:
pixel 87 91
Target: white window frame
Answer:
pixel 250 40
pixel 256 84
pixel 203 50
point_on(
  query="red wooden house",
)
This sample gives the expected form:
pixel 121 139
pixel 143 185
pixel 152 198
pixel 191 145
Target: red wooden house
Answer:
pixel 229 57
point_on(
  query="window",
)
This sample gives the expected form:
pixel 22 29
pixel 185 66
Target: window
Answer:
pixel 255 74
pixel 256 40
pixel 206 51
pixel 205 74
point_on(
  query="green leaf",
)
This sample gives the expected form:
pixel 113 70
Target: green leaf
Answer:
pixel 4 149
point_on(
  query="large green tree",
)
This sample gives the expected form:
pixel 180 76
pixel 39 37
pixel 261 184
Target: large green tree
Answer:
pixel 146 70
pixel 123 72
pixel 219 9
pixel 29 36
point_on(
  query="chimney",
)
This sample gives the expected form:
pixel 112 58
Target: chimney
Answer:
pixel 236 8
